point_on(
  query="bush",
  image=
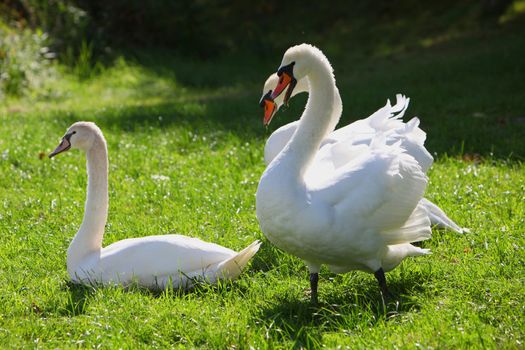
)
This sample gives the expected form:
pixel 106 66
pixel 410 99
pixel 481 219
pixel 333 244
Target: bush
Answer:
pixel 26 61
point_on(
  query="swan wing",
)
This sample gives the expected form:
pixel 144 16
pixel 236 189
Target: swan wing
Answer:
pixel 161 255
pixel 389 117
pixel 380 188
pixel 347 142
pixel 336 147
pixel 384 119
pixel 413 141
pixel 331 157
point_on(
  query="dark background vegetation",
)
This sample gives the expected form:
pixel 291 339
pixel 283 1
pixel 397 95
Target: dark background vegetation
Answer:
pixel 206 28
pixel 450 56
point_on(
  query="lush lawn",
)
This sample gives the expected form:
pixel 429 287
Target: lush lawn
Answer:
pixel 199 126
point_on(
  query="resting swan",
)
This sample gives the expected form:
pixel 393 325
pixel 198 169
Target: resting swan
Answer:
pixel 152 261
pixel 362 214
pixel 386 119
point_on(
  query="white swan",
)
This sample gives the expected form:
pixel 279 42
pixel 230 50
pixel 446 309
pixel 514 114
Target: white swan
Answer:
pixel 152 261
pixel 385 120
pixel 362 214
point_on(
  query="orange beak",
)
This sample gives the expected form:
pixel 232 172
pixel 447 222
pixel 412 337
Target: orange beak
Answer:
pixel 269 111
pixel 269 106
pixel 284 80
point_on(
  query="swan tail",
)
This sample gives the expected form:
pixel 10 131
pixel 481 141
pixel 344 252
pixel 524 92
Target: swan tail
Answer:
pixel 438 216
pixel 228 269
pixel 415 229
pixel 232 267
pixel 397 252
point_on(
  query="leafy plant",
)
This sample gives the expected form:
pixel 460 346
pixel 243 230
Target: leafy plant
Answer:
pixel 26 62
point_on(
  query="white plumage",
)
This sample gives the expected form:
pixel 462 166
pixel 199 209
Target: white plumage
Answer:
pixel 386 120
pixel 152 261
pixel 350 205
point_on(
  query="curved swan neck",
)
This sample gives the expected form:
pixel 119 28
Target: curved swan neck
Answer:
pixel 89 236
pixel 318 119
pixel 337 110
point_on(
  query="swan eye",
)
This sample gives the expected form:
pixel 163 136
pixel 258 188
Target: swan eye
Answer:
pixel 68 136
pixel 288 69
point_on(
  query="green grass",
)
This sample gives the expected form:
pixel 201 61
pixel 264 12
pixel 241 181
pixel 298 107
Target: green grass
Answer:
pixel 199 124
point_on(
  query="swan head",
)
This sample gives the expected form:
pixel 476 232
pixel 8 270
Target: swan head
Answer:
pixel 80 135
pixel 297 63
pixel 271 105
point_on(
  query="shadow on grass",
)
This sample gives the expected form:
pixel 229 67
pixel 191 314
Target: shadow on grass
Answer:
pixel 199 287
pixel 234 111
pixel 241 68
pixel 305 323
pixel 78 299
pixel 270 257
pixel 237 112
pixel 79 295
pixel 453 89
pixel 452 92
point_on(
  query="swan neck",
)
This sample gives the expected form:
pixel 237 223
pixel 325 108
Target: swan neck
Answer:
pixel 91 232
pixel 318 118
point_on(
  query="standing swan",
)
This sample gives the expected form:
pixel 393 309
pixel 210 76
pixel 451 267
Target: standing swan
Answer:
pixel 361 215
pixel 152 261
pixel 386 119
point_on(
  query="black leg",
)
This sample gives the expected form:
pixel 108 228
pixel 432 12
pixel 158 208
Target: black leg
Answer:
pixel 314 279
pixel 380 276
